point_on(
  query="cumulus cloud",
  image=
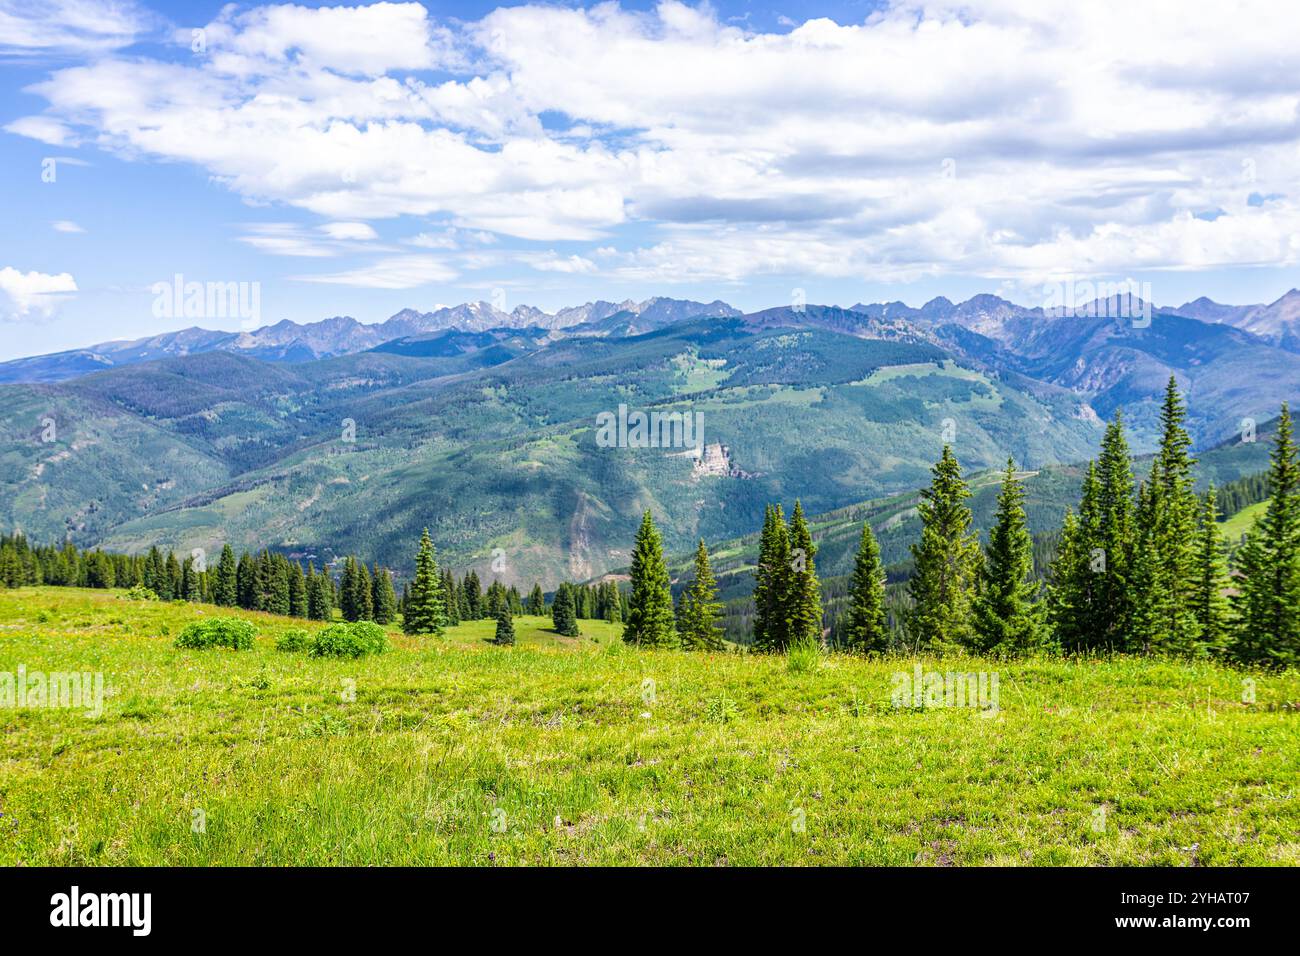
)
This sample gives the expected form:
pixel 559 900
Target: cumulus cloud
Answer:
pixel 1009 138
pixel 33 293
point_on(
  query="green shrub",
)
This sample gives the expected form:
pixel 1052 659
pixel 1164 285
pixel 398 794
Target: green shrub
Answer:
pixel 141 593
pixel 802 656
pixel 293 642
pixel 232 632
pixel 349 640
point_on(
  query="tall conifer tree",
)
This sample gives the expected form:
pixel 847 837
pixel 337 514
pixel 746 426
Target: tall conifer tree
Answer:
pixel 947 562
pixel 650 619
pixel 866 626
pixel 1268 605
pixel 1008 619
pixel 1209 606
pixel 425 613
pixel 698 619
pixel 805 592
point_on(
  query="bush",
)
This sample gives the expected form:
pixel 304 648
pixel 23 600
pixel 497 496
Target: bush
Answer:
pixel 349 640
pixel 232 632
pixel 802 656
pixel 141 593
pixel 293 642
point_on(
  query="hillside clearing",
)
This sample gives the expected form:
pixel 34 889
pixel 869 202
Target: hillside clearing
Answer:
pixel 453 751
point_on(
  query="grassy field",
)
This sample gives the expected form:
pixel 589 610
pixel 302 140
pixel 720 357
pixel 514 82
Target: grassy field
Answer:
pixel 583 751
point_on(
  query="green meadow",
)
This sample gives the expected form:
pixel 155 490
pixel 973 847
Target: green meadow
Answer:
pixel 563 751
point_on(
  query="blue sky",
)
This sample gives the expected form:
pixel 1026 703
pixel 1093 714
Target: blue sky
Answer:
pixel 361 160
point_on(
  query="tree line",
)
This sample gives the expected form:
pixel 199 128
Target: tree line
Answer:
pixel 1139 567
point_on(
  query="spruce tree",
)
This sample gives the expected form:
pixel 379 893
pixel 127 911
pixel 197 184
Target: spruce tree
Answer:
pixel 946 562
pixel 1114 536
pixel 1007 618
pixel 318 596
pixel 1268 605
pixel 365 601
pixel 866 628
pixel 1146 619
pixel 564 616
pixel 348 590
pixel 449 600
pixel 536 601
pixel 425 613
pixel 1074 597
pixel 473 596
pixel 649 622
pixel 505 635
pixel 763 582
pixel 698 619
pixel 1209 606
pixel 227 591
pixel 297 591
pixel 804 595
pixel 383 597
pixel 772 579
pixel 1175 510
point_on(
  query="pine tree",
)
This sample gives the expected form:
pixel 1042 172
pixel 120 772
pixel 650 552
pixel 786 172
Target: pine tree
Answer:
pixel 318 596
pixel 1114 536
pixel 383 597
pixel 1146 619
pixel 650 620
pixel 947 562
pixel 449 601
pixel 1007 618
pixel 866 628
pixel 536 601
pixel 1268 605
pixel 227 591
pixel 297 591
pixel 1208 604
pixel 564 616
pixel 1174 513
pixel 425 613
pixel 1074 597
pixel 505 635
pixel 772 578
pixel 473 597
pixel 804 600
pixel 698 618
pixel 348 591
pixel 364 597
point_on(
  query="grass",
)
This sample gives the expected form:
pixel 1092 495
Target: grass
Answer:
pixel 453 751
pixel 1242 522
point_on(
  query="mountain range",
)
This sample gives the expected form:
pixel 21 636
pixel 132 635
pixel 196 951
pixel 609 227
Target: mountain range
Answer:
pixel 337 437
pixel 291 342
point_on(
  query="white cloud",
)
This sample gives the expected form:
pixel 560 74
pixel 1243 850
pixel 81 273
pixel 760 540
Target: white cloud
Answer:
pixel 33 292
pixel 69 26
pixel 553 262
pixel 394 272
pixel 42 128
pixel 286 239
pixel 1000 137
pixel 355 231
pixel 66 225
